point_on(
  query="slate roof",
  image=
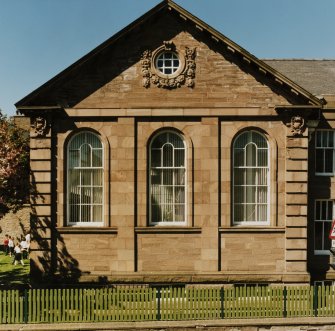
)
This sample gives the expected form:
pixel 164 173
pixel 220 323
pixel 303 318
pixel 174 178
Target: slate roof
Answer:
pixel 316 76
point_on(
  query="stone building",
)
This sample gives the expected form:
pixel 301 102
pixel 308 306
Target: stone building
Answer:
pixel 171 154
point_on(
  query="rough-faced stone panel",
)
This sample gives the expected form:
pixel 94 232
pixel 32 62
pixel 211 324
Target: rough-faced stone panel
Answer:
pixel 245 252
pixel 164 252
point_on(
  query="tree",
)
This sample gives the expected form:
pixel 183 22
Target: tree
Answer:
pixel 14 165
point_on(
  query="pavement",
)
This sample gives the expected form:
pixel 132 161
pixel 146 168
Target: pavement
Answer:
pixel 241 324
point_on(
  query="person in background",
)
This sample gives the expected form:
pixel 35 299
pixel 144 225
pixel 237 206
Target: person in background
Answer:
pixel 5 244
pixel 18 254
pixel 24 248
pixel 28 238
pixel 11 245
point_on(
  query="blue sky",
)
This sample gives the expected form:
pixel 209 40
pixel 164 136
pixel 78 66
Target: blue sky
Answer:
pixel 40 38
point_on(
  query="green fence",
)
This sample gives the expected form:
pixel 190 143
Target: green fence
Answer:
pixel 164 303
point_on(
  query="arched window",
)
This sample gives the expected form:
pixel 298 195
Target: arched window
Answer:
pixel 85 180
pixel 251 179
pixel 167 179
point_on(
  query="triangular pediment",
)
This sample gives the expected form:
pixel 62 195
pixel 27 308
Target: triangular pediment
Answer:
pixel 119 58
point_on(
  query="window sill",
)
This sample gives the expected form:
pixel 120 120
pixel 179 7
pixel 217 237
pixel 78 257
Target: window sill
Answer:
pixel 322 253
pixel 87 230
pixel 167 229
pixel 248 229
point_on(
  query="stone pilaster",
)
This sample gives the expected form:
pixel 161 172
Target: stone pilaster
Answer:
pixel 41 177
pixel 207 210
pixel 122 193
pixel 296 196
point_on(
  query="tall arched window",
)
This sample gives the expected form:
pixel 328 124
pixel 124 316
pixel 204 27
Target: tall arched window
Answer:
pixel 251 179
pixel 167 179
pixel 85 180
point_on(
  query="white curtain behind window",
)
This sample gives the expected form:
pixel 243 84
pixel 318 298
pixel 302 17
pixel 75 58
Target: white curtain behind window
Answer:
pixel 85 180
pixel 250 179
pixel 167 179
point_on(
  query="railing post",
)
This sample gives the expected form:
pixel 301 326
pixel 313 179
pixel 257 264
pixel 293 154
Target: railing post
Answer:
pixel 158 296
pixel 222 302
pixel 315 300
pixel 25 306
pixel 285 302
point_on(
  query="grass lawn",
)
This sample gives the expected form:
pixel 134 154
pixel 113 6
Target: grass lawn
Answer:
pixel 13 275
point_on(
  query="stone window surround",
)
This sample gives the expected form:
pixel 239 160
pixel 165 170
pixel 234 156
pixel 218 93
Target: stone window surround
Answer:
pixel 166 223
pixel 63 141
pixel 68 144
pixel 185 73
pixel 144 146
pixel 276 221
pixel 252 223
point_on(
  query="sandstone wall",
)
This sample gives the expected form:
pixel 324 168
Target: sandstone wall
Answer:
pixel 15 223
pixel 108 97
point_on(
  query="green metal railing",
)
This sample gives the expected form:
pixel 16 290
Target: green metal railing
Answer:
pixel 164 303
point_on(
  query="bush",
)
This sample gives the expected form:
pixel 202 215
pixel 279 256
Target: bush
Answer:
pixel 14 165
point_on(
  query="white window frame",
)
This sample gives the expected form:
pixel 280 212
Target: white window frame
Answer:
pixel 324 148
pixel 324 235
pixel 252 223
pixel 68 213
pixel 161 57
pixel 168 223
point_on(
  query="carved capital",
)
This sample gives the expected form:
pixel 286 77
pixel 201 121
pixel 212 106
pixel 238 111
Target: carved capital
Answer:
pixel 40 126
pixel 297 125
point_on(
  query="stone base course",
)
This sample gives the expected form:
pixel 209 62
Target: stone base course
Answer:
pixel 196 278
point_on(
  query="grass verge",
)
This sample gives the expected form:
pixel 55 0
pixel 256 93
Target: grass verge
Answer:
pixel 11 275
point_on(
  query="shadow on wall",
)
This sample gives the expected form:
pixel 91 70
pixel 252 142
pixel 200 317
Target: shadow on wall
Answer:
pixel 50 260
pixel 319 188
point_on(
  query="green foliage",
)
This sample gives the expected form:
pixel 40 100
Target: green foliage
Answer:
pixel 14 165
